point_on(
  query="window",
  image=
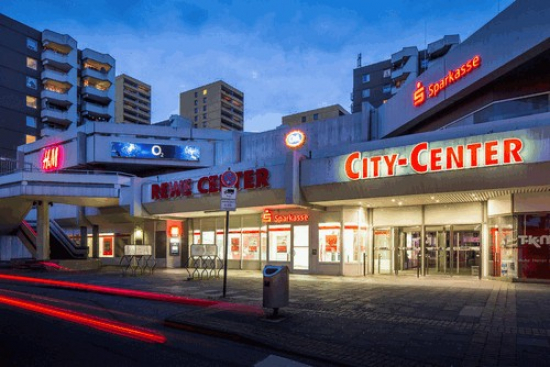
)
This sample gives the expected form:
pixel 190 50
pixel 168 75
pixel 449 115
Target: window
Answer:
pixel 365 93
pixel 204 100
pixel 386 88
pixel 196 118
pixel 31 102
pixel 366 78
pixel 196 102
pixel 303 119
pixel 32 44
pixel 196 94
pixel 196 110
pixel 195 125
pixel 387 73
pixel 329 242
pixel 204 92
pixel 30 139
pixel 31 121
pixel 32 63
pixel 32 83
pixel 204 116
pixel 315 116
pixel 204 108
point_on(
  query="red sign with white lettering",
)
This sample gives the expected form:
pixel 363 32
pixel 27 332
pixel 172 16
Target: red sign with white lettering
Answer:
pixel 419 95
pixel 249 179
pixel 52 158
pixel 423 159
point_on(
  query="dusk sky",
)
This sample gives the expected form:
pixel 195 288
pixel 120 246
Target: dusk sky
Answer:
pixel 286 56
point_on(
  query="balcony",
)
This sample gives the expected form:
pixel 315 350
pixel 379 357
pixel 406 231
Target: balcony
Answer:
pixel 56 60
pixel 56 117
pixel 96 110
pixel 93 73
pixel 61 42
pixel 97 60
pixel 55 75
pixel 61 99
pixel 96 95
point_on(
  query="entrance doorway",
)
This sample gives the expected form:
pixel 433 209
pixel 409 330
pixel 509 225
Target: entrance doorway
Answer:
pixel 408 251
pixel 301 247
pixel 453 250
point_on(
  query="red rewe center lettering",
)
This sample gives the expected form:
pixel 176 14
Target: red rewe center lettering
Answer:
pixel 419 94
pixel 424 159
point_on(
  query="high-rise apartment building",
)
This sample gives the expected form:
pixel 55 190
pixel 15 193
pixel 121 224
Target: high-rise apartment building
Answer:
pixel 323 113
pixel 215 106
pixel 378 82
pixel 132 100
pixel 47 83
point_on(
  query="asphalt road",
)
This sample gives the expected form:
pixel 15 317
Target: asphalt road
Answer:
pixel 28 338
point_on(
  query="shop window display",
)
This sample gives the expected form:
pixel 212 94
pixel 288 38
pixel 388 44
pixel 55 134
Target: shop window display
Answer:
pixel 503 250
pixel 234 244
pixel 279 242
pixel 354 242
pixel 251 244
pixel 329 242
pixel 533 240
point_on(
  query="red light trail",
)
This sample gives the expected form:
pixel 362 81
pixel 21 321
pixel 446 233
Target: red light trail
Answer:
pixel 95 322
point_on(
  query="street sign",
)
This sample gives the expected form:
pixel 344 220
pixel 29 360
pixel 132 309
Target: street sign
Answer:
pixel 229 178
pixel 228 205
pixel 229 193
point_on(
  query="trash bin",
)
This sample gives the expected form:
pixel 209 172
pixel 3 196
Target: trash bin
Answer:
pixel 275 287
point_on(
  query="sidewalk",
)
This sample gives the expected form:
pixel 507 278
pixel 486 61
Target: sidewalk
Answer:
pixel 372 321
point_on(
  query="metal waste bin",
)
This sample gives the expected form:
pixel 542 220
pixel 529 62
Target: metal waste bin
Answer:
pixel 275 286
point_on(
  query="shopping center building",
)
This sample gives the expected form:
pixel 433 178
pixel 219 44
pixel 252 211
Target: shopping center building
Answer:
pixel 450 177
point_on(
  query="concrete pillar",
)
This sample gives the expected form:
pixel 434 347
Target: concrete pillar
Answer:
pixel 43 231
pixel 95 241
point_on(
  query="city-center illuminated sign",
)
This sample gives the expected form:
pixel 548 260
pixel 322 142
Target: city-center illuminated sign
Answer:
pixel 419 94
pixel 52 158
pixel 421 158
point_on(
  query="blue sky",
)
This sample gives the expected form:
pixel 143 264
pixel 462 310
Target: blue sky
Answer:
pixel 286 56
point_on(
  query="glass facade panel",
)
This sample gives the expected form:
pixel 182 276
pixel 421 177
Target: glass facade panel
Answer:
pixel 534 246
pixel 251 244
pixel 329 242
pixel 279 242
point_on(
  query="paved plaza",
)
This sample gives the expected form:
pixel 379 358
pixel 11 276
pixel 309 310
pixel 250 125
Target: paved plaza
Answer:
pixel 366 321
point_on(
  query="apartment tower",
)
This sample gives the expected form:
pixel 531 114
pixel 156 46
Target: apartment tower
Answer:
pixel 48 84
pixel 214 106
pixel 133 101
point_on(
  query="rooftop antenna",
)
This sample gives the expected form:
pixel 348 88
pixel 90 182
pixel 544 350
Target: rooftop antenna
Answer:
pixel 358 60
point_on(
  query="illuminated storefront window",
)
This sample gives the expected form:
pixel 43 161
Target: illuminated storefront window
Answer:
pixel 329 242
pixel 279 242
pixel 251 244
pixel 533 240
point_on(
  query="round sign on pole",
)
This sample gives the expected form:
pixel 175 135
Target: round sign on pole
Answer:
pixel 229 178
pixel 295 139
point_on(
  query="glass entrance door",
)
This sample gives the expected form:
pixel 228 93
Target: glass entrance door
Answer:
pixel 407 251
pixel 301 247
pixel 383 249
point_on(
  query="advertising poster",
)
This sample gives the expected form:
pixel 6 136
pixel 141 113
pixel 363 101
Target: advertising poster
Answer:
pixel 155 151
pixel 533 246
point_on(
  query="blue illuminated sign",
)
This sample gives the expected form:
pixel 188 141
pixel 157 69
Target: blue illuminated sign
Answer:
pixel 155 151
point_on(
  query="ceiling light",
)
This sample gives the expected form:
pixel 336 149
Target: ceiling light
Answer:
pixel 393 200
pixel 400 203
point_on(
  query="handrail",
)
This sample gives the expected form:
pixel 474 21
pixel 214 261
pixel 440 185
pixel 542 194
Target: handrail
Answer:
pixel 9 166
pixel 462 118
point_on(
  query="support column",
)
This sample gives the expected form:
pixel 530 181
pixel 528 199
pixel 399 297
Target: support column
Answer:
pixel 42 231
pixel 83 236
pixel 95 241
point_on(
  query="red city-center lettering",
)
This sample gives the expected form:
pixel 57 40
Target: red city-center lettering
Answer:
pixel 423 159
pixel 251 179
